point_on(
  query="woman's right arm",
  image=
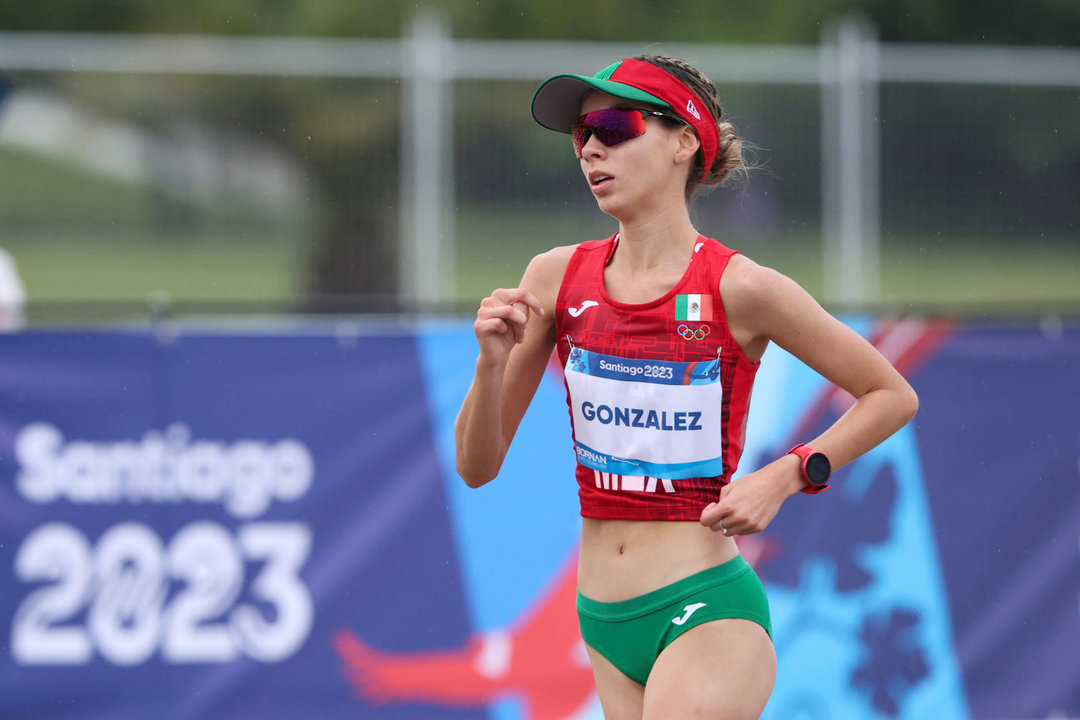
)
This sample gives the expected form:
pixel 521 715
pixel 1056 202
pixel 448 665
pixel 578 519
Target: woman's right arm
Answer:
pixel 515 330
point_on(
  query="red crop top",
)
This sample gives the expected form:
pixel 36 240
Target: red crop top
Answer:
pixel 658 392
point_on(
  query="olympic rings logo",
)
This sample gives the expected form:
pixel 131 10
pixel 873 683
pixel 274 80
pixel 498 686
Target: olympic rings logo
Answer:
pixel 693 333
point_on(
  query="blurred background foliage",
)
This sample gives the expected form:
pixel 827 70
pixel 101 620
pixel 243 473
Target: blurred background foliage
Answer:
pixel 978 169
pixel 1043 22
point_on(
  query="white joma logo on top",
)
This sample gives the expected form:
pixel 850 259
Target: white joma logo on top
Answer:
pixel 576 312
pixel 687 612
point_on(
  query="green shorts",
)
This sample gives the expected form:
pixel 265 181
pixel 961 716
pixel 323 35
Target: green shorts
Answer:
pixel 632 633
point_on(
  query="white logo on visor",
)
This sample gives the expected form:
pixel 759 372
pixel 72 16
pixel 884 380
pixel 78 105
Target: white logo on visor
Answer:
pixel 692 109
pixel 576 312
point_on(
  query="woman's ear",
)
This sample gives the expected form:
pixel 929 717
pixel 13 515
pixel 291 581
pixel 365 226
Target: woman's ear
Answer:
pixel 688 144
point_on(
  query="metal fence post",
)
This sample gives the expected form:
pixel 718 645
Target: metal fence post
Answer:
pixel 851 183
pixel 426 250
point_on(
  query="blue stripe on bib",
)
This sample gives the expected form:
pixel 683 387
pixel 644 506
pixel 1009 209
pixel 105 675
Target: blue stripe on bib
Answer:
pixel 661 372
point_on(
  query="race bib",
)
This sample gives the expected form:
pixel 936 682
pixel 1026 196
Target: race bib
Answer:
pixel 646 417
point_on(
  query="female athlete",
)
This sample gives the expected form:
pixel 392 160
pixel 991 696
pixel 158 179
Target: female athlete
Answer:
pixel 660 331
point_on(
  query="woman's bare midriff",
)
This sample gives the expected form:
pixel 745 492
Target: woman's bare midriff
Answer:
pixel 621 559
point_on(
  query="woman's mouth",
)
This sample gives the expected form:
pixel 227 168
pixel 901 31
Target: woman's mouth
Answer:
pixel 599 180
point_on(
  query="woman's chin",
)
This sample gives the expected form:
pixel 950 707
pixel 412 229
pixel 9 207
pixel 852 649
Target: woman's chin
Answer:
pixel 613 206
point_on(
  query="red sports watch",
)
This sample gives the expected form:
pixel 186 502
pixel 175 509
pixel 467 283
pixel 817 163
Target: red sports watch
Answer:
pixel 816 468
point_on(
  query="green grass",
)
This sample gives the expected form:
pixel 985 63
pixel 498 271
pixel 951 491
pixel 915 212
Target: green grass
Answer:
pixel 125 269
pixel 955 275
pixel 79 237
pixel 972 273
pixel 34 187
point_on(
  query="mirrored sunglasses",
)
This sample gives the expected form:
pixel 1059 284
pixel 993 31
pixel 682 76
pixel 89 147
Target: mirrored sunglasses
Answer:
pixel 611 126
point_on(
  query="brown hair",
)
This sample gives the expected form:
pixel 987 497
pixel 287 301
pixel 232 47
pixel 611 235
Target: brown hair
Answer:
pixel 729 155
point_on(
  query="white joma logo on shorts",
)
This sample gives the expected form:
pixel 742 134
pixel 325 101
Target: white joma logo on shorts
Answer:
pixel 687 612
pixel 576 312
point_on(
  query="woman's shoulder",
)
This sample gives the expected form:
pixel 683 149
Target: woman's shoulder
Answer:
pixel 745 282
pixel 553 261
pixel 757 295
pixel 545 272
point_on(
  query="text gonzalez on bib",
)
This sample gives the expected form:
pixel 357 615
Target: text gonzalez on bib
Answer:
pixel 640 418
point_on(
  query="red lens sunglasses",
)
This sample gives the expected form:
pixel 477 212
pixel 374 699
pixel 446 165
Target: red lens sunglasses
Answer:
pixel 611 126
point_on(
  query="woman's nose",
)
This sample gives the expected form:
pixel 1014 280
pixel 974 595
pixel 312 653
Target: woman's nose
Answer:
pixel 592 147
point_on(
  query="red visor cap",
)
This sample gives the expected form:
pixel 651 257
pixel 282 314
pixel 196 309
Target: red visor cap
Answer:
pixel 557 102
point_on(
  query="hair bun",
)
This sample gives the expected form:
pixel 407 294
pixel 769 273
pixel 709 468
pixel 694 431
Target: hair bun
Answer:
pixel 729 155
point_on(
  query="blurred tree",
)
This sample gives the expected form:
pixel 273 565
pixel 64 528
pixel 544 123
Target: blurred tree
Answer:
pixel 1043 22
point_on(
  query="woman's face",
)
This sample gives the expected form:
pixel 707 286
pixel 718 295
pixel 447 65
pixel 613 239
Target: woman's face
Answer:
pixel 636 176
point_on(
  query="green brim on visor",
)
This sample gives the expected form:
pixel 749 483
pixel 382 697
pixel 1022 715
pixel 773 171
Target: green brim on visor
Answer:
pixel 557 102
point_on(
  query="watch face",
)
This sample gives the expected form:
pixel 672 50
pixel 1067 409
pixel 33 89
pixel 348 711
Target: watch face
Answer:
pixel 818 469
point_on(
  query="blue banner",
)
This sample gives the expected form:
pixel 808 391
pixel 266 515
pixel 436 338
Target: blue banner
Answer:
pixel 233 525
pixel 187 526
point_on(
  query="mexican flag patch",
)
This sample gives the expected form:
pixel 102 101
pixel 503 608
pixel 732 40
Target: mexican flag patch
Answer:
pixel 693 307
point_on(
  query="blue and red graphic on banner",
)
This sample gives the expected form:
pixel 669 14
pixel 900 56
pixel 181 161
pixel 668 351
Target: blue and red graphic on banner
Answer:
pixel 237 525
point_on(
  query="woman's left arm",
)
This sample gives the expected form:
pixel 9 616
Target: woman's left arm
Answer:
pixel 761 306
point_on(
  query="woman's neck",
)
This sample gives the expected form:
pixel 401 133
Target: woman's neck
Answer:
pixel 655 242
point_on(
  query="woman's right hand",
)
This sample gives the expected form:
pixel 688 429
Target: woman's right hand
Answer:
pixel 506 381
pixel 501 320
